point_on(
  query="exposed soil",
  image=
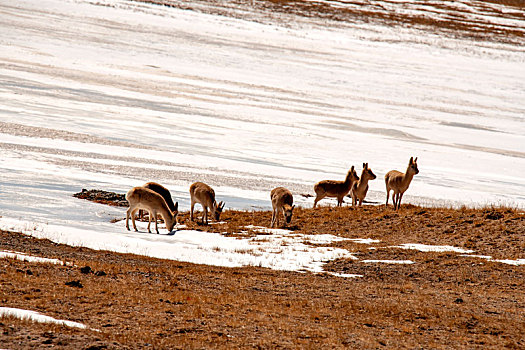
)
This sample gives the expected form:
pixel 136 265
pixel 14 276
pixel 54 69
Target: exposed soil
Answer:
pixel 443 300
pixel 103 197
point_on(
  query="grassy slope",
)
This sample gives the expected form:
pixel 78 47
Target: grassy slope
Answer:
pixel 441 301
pixel 460 22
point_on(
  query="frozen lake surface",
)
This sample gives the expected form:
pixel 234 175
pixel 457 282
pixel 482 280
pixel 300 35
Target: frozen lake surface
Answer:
pixel 112 94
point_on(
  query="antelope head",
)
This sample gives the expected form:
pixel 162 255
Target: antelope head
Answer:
pixel 218 210
pixel 412 166
pixel 367 172
pixel 287 212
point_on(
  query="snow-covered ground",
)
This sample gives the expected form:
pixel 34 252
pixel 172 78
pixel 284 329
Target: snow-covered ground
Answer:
pixel 29 258
pixel 37 317
pixel 112 94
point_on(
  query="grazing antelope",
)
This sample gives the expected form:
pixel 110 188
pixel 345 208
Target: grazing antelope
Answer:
pixel 205 196
pixel 144 198
pixel 399 182
pixel 360 188
pixel 282 201
pixel 163 191
pixel 333 188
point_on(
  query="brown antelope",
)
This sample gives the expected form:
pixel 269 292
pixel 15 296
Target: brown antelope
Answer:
pixel 205 196
pixel 399 182
pixel 163 191
pixel 282 201
pixel 360 188
pixel 333 188
pixel 154 203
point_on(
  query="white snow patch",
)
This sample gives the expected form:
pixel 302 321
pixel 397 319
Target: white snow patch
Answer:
pixel 364 240
pixel 280 250
pixel 388 261
pixel 345 275
pixel 30 258
pixel 487 257
pixel 432 248
pixel 516 262
pixel 512 262
pixel 314 239
pixel 37 317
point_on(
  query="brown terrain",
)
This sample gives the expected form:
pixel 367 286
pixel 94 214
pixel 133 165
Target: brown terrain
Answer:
pixel 443 300
pixel 466 19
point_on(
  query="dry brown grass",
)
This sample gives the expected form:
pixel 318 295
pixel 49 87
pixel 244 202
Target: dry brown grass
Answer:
pixel 458 22
pixel 442 301
pixel 514 3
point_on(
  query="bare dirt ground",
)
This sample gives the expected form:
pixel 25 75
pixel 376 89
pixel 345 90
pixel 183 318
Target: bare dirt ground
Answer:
pixel 443 300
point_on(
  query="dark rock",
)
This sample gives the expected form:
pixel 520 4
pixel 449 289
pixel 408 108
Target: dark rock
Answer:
pixel 494 215
pixel 86 270
pixel 49 335
pixel 75 283
pixel 96 347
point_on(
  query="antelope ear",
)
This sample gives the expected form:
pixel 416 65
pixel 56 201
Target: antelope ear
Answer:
pixel 364 165
pixel 415 160
pixel 352 168
pixel 176 206
pixel 293 206
pixel 221 204
pixel 411 160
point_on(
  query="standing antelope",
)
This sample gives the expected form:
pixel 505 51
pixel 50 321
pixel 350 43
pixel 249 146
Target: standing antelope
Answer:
pixel 282 201
pixel 333 188
pixel 360 188
pixel 399 182
pixel 205 196
pixel 144 198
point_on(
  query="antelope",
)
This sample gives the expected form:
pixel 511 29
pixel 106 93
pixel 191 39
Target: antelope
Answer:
pixel 282 201
pixel 154 203
pixel 205 196
pixel 333 188
pixel 163 191
pixel 360 188
pixel 399 182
